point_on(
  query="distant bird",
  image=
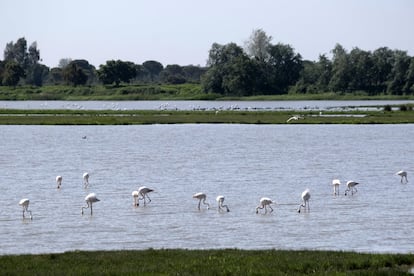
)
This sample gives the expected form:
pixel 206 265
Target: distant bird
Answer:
pixel 305 200
pixel 220 200
pixel 86 179
pixel 336 183
pixel 25 204
pixel 90 199
pixel 135 195
pixel 264 202
pixel 296 117
pixel 351 187
pixel 59 181
pixel 143 192
pixel 201 197
pixel 403 175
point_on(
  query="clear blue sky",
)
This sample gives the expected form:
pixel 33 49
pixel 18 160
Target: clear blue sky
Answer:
pixel 182 31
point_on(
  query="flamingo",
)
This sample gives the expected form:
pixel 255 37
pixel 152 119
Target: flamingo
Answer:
pixel 201 197
pixel 90 199
pixel 336 183
pixel 86 179
pixel 351 187
pixel 220 200
pixel 264 201
pixel 25 204
pixel 403 175
pixel 135 194
pixel 296 117
pixel 143 191
pixel 59 181
pixel 305 199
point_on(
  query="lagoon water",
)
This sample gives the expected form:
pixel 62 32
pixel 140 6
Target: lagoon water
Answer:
pixel 241 162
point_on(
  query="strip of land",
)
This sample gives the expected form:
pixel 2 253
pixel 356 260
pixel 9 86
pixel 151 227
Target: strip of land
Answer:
pixel 207 262
pixel 140 117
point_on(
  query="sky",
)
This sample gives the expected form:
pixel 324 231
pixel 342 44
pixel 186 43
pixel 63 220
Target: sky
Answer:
pixel 183 31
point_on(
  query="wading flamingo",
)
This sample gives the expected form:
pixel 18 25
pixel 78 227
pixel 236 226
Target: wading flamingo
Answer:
pixel 351 187
pixel 264 202
pixel 220 200
pixel 336 183
pixel 135 194
pixel 403 175
pixel 90 199
pixel 86 179
pixel 59 181
pixel 201 197
pixel 144 191
pixel 25 204
pixel 305 200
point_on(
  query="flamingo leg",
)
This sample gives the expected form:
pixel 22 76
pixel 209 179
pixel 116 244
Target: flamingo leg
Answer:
pixel 199 203
pixel 271 209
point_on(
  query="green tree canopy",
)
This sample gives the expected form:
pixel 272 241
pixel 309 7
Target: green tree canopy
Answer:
pixel 117 71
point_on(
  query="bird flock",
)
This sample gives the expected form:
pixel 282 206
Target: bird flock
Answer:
pixel 264 203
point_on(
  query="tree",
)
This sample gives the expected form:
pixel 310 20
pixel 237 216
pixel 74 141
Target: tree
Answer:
pixel 74 75
pixel 409 84
pixel 117 72
pixel 258 45
pixel 231 71
pixel 285 66
pixel 361 70
pixel 63 62
pixel 399 73
pixel 153 67
pixel 12 73
pixel 37 74
pixel 340 70
pixel 383 62
pixel 173 74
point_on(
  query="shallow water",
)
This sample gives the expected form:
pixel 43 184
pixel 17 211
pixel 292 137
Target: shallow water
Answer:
pixel 241 162
pixel 203 105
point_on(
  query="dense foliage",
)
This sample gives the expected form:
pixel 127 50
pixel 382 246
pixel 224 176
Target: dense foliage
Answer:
pixel 258 68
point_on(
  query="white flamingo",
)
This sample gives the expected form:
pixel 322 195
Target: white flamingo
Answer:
pixel 25 204
pixel 86 179
pixel 305 200
pixel 59 181
pixel 90 199
pixel 296 117
pixel 351 187
pixel 220 200
pixel 403 175
pixel 135 195
pixel 335 184
pixel 201 197
pixel 264 202
pixel 144 191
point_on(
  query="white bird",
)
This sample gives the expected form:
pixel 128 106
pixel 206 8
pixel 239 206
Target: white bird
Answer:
pixel 201 197
pixel 86 179
pixel 59 181
pixel 305 200
pixel 264 202
pixel 135 194
pixel 336 183
pixel 90 199
pixel 403 175
pixel 220 200
pixel 351 187
pixel 296 117
pixel 25 204
pixel 143 192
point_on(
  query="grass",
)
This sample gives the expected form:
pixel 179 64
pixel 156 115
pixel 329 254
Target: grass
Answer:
pixel 207 262
pixel 137 117
pixel 187 91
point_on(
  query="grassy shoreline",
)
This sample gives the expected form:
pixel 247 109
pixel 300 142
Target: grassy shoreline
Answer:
pixel 207 262
pixel 142 117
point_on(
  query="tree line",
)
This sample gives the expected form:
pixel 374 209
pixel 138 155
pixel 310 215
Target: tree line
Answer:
pixel 257 68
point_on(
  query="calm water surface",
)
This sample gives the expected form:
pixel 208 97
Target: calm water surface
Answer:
pixel 200 105
pixel 241 162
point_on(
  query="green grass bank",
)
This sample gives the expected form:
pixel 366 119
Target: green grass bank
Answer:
pixel 140 117
pixel 207 262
